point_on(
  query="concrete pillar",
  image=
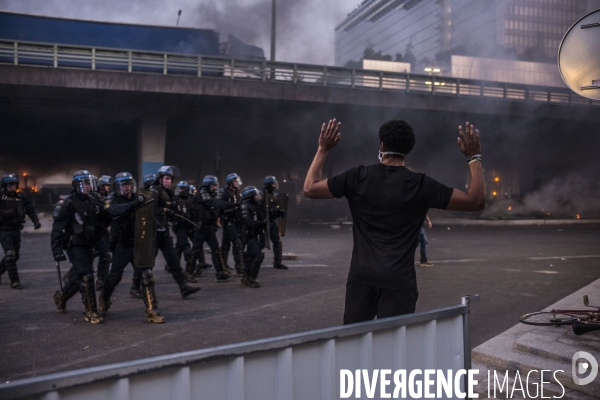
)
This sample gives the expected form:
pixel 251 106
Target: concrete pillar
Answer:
pixel 152 137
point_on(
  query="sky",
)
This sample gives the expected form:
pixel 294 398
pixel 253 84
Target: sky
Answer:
pixel 305 28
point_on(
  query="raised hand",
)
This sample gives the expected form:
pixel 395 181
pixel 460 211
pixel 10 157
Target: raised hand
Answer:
pixel 468 142
pixel 330 135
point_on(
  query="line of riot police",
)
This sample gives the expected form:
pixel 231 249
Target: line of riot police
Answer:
pixel 140 221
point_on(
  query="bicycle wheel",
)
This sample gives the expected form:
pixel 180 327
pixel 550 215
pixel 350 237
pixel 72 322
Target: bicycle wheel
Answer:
pixel 546 318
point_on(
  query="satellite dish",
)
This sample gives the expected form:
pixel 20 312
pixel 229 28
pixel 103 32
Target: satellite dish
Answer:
pixel 579 56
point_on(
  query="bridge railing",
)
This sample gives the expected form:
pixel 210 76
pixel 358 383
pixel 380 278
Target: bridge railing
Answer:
pixel 300 366
pixel 132 61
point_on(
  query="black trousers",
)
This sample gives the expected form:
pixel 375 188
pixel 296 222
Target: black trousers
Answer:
pixel 10 239
pixel 101 250
pixel 81 258
pixel 365 302
pixel 206 234
pixel 232 233
pixel 182 244
pixel 273 234
pixel 164 243
pixel 122 255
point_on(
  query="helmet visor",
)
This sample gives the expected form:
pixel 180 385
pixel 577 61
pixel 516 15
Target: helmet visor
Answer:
pixel 126 187
pixel 85 184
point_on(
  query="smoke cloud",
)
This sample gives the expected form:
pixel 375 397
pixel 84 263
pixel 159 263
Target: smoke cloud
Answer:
pixel 304 28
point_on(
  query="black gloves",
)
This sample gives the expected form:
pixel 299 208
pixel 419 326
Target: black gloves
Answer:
pixel 37 225
pixel 60 256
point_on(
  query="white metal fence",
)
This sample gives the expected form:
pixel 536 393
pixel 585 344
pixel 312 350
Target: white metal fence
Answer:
pixel 132 61
pixel 300 366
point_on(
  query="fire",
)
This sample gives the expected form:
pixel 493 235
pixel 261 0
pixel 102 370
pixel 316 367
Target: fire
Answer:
pixel 509 208
pixel 578 216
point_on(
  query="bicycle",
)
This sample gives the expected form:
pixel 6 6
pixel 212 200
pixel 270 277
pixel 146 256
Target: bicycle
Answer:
pixel 583 321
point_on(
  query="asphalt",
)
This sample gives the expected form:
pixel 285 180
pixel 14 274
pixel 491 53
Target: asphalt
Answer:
pixel 515 269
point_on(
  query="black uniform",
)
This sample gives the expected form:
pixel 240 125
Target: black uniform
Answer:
pixel 232 229
pixel 13 207
pixel 274 213
pixel 253 223
pixel 78 226
pixel 102 250
pixel 204 212
pixel 184 231
pixel 164 242
pixel 122 206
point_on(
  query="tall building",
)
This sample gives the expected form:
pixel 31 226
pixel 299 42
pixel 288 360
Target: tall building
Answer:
pixel 429 32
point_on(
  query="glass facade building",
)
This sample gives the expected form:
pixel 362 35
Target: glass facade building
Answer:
pixel 427 28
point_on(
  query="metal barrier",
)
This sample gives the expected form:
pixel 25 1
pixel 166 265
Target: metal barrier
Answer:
pixel 131 61
pixel 300 366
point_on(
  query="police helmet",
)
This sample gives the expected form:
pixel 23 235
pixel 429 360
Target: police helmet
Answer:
pixel 104 180
pixel 249 192
pixel 10 178
pixel 183 186
pixel 167 170
pixel 211 182
pixel 233 177
pixel 83 181
pixel 148 179
pixel 271 182
pixel 123 179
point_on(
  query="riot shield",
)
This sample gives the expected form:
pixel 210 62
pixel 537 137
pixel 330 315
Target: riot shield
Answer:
pixel 281 199
pixel 144 245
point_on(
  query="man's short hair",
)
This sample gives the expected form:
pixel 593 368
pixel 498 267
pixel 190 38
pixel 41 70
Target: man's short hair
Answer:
pixel 397 136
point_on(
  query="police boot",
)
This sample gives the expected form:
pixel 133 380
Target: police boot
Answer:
pixel 225 257
pixel 152 311
pixel 88 294
pixel 135 291
pixel 10 262
pixel 238 257
pixel 13 274
pixel 109 287
pixel 202 260
pixel 249 281
pixel 255 266
pixel 70 289
pixel 186 290
pixel 220 274
pixel 189 274
pixel 103 267
pixel 2 269
pixel 278 256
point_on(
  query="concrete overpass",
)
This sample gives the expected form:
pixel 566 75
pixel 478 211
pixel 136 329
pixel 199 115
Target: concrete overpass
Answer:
pixel 152 89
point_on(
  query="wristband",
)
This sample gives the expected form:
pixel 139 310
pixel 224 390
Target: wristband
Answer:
pixel 474 160
pixel 476 157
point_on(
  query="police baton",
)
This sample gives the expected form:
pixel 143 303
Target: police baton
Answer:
pixel 267 232
pixel 60 286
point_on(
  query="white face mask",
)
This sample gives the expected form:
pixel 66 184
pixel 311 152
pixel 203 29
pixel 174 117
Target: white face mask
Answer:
pixel 383 153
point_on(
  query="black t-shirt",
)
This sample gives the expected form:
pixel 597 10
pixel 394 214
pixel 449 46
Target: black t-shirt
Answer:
pixel 388 206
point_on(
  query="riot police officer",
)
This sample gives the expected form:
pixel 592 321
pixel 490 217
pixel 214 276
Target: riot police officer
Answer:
pixel 253 223
pixel 184 230
pixel 120 205
pixel 102 250
pixel 167 208
pixel 148 181
pixel 204 213
pixel 77 227
pixel 13 207
pixel 270 185
pixel 230 221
